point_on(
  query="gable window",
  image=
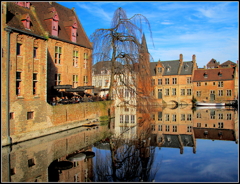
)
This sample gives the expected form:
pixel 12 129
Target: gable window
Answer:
pixel 57 79
pixel 174 80
pixel 18 83
pixel 19 49
pixel 58 54
pixel 35 83
pixel 26 21
pixel 75 58
pixel 75 81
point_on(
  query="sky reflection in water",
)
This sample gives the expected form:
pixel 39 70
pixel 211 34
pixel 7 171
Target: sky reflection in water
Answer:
pixel 214 161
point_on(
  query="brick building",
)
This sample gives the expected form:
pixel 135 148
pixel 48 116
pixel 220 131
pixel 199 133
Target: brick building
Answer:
pixel 215 85
pixel 172 80
pixel 43 45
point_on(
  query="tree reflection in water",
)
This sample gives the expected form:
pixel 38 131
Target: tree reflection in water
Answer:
pixel 127 159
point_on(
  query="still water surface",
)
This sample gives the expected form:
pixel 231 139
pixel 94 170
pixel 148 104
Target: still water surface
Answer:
pixel 176 145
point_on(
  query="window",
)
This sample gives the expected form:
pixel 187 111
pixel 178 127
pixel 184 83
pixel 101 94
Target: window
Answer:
pixel 126 93
pixel 153 116
pixel 159 116
pixel 174 80
pixel 100 82
pixel 126 118
pixel 19 49
pixel 159 70
pixel 214 83
pixel 159 81
pixel 153 127
pixel 85 79
pixel 132 118
pixel 229 116
pixel 189 117
pixel 220 92
pixel 205 83
pixel 198 115
pixel 182 117
pixel 205 75
pixel 167 128
pixel 85 60
pixel 11 115
pixel 106 82
pixel 166 117
pixel 58 54
pixel 182 92
pixel 205 125
pixel 75 58
pixel 189 128
pixel 166 92
pixel 174 117
pixel 220 84
pixel 153 82
pixel 198 83
pixel 35 83
pixel 198 93
pixel 174 92
pixel 174 128
pixel 189 92
pixel 30 115
pixel 12 171
pixel 121 118
pixel 229 92
pixel 189 80
pixel 198 125
pixel 220 124
pixel 220 116
pixel 167 81
pixel 31 162
pixel 57 79
pixel 18 83
pixel 75 81
pixel 159 127
pixel 35 52
pixel 219 74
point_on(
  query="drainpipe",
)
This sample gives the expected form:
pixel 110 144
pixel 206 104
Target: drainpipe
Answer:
pixel 9 140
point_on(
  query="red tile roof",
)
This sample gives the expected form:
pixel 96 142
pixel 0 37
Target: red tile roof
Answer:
pixel 213 74
pixel 65 18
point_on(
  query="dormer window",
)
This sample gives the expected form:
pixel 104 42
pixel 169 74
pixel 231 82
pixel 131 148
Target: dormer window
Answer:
pixel 26 21
pixel 205 75
pixel 23 4
pixel 185 67
pixel 52 19
pixel 220 74
pixel 159 70
pixel 168 68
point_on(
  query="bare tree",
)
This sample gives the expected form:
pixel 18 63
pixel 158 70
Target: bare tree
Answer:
pixel 122 43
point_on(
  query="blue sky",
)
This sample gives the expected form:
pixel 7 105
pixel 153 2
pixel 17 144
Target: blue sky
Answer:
pixel 206 29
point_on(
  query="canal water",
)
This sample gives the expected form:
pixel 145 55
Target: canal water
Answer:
pixel 164 145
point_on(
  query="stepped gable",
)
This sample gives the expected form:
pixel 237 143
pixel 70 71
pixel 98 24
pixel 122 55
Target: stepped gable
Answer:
pixel 65 18
pixel 16 13
pixel 216 74
pixel 227 63
pixel 213 63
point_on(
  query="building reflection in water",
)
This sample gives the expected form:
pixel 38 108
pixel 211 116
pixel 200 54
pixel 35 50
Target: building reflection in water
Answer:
pixel 129 152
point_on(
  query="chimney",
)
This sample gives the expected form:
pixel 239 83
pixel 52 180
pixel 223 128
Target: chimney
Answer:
pixel 181 58
pixel 194 58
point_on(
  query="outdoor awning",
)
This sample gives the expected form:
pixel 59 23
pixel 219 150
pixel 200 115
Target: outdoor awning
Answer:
pixel 62 87
pixel 75 90
pixel 86 87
